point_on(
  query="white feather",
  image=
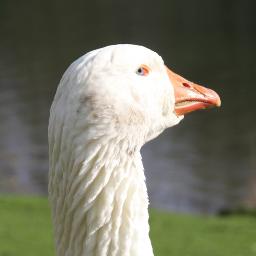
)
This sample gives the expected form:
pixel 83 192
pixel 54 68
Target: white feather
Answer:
pixel 102 114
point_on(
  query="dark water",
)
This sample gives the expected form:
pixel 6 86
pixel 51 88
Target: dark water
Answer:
pixel 204 164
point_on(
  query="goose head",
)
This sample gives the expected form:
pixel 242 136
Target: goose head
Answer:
pixel 108 104
pixel 128 90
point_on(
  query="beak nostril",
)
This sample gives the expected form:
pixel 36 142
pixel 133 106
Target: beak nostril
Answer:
pixel 186 85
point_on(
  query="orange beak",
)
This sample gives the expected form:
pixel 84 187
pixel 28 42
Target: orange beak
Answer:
pixel 190 97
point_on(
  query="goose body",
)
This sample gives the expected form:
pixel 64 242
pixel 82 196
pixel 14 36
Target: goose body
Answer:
pixel 108 104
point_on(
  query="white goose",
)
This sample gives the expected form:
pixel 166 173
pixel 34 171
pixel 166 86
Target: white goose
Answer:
pixel 108 104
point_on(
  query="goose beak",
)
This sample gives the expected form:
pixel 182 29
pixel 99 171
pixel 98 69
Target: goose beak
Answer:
pixel 190 97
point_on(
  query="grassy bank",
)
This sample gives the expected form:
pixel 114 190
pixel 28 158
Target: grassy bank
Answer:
pixel 25 229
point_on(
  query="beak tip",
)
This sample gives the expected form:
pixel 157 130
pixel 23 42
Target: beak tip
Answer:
pixel 218 101
pixel 212 96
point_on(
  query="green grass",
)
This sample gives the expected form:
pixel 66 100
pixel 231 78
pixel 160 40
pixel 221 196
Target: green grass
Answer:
pixel 25 229
pixel 184 235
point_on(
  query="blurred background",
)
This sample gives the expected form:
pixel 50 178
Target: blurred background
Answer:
pixel 207 163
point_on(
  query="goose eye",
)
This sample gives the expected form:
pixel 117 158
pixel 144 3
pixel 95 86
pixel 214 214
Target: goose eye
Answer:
pixel 143 70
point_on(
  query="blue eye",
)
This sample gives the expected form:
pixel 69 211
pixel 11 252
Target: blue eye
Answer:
pixel 143 70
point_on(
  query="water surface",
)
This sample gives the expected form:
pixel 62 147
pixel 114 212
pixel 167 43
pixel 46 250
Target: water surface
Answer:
pixel 204 164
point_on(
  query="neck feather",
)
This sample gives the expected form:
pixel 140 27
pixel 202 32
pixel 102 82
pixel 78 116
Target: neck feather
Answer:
pixel 100 202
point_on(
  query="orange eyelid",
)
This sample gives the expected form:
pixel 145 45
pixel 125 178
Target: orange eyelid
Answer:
pixel 146 69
